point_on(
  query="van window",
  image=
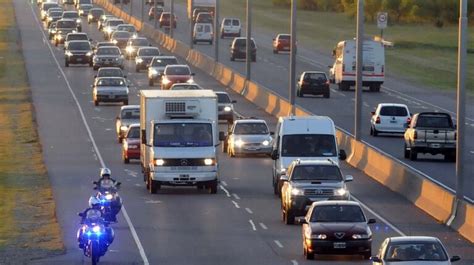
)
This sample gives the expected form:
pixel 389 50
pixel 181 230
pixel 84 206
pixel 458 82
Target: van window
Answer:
pixel 227 22
pixel 235 22
pixel 207 29
pixel 199 28
pixel 308 145
pixel 393 111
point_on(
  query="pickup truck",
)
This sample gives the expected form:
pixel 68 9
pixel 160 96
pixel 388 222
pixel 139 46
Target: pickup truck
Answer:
pixel 433 133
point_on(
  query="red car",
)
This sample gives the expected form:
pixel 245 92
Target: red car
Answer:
pixel 282 42
pixel 165 20
pixel 131 143
pixel 176 73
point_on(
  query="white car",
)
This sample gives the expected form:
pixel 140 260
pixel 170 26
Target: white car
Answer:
pixel 389 118
pixel 248 136
pixel 231 27
pixel 413 250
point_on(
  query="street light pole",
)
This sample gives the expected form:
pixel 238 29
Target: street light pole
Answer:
pixel 131 7
pixel 359 63
pixel 154 14
pixel 247 43
pixel 171 18
pixel 191 26
pixel 292 84
pixel 461 99
pixel 216 31
pixel 143 11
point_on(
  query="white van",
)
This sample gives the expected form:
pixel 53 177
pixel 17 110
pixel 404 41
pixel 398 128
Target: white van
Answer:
pixel 231 27
pixel 303 137
pixel 203 32
pixel 343 71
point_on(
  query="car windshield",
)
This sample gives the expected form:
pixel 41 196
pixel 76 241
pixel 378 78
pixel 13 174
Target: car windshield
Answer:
pixel 284 37
pixel 111 82
pixel 164 62
pixel 314 77
pixel 104 44
pixel 130 114
pixel 104 72
pixel 86 7
pixel 148 52
pixel 227 22
pixel 108 51
pixel 133 132
pixel 251 128
pixel 433 121
pixel 185 87
pixel 415 251
pixel 139 42
pixel 79 45
pixel 182 135
pixel 393 111
pixel 308 145
pixel 66 24
pixel 114 23
pixel 223 98
pixel 243 43
pixel 181 70
pixel 77 37
pixel 70 15
pixel 56 14
pixel 121 35
pixel 127 28
pixel 337 214
pixel 93 214
pixel 97 12
pixel 316 172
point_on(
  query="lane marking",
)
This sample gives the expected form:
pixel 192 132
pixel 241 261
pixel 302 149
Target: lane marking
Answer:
pixel 224 183
pixel 225 190
pixel 263 226
pixel 294 262
pixel 472 152
pixel 365 104
pixel 153 202
pixel 236 204
pixel 278 243
pixel 254 228
pixel 236 196
pixel 249 211
pixel 89 132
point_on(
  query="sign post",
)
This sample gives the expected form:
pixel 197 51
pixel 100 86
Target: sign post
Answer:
pixel 382 18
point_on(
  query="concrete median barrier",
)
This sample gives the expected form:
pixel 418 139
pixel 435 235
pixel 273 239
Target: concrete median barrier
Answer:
pixel 425 194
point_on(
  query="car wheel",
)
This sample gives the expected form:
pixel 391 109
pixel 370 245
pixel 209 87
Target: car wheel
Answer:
pixel 413 154
pixel 225 146
pixel 119 139
pixel 275 51
pixel 406 152
pixel 375 133
pixel 91 63
pixel 367 254
pixel 372 131
pixel 289 217
pixel 212 187
pixel 96 103
pixel 299 93
pixel 254 59
pixel 95 67
pixel 307 254
pixel 232 58
pixel 210 42
pixel 450 157
pixel 326 94
pixel 222 35
pixel 125 102
pixel 153 186
pixel 150 82
pixel 125 159
pixel 56 43
pixel 66 63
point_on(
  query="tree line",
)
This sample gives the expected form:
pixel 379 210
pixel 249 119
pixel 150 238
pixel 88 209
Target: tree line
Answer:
pixel 438 12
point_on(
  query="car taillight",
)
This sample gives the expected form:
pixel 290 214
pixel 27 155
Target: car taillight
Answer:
pixel 327 82
pixel 383 68
pixel 415 135
pixel 408 120
pixel 377 120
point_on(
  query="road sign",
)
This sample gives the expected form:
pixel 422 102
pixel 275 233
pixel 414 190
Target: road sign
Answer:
pixel 382 18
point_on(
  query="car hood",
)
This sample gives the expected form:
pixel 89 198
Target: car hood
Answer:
pixel 417 262
pixel 253 138
pixel 107 56
pixel 317 184
pixel 157 68
pixel 331 228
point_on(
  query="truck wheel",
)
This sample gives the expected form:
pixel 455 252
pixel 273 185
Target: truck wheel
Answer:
pixel 406 152
pixel 413 154
pixel 153 186
pixel 367 254
pixel 212 187
pixel 307 254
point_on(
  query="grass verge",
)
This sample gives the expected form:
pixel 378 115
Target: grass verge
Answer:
pixel 423 54
pixel 28 226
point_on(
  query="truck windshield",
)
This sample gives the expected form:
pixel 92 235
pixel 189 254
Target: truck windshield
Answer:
pixel 308 145
pixel 434 121
pixel 182 135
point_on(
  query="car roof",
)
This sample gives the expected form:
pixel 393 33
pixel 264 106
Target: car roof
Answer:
pixel 314 72
pixel 76 41
pixel 69 11
pixel 392 105
pixel 108 47
pixel 164 57
pixel 242 38
pixel 139 38
pixel 325 162
pixel 336 202
pixel 307 124
pixel 221 92
pixel 130 107
pixel 110 77
pixel 126 24
pixel 250 121
pixel 414 238
pixel 134 125
pixel 77 33
pixel 177 65
pixel 110 68
pixel 284 34
pixel 148 48
pixel 97 8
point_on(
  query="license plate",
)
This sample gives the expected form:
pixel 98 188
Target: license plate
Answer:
pixel 393 121
pixel 435 145
pixel 286 48
pixel 79 59
pixel 339 245
pixel 252 148
pixel 112 96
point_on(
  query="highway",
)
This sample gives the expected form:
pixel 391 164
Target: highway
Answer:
pixel 240 225
pixel 272 71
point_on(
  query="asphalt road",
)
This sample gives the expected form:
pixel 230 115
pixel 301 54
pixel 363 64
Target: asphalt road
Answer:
pixel 239 225
pixel 272 70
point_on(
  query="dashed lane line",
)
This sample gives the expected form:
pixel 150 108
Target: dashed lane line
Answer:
pixel 263 226
pixel 225 190
pixel 278 243
pixel 249 210
pixel 236 204
pixel 236 196
pixel 254 228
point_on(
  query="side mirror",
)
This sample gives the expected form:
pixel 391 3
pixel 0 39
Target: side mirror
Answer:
pixel 143 136
pixel 273 38
pixel 375 259
pixel 80 214
pixel 371 221
pixel 234 101
pixel 301 221
pixel 272 133
pixel 95 182
pixel 193 74
pixel 124 76
pixel 349 178
pixel 455 126
pixel 149 44
pixel 342 155
pixel 330 66
pixel 283 178
pixel 372 112
pixel 118 184
pixel 274 154
pixel 222 136
pixel 455 258
pixel 90 39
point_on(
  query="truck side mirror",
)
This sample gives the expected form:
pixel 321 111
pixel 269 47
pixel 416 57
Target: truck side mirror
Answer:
pixel 272 133
pixel 143 136
pixel 342 155
pixel 274 154
pixel 222 136
pixel 284 178
pixel 349 178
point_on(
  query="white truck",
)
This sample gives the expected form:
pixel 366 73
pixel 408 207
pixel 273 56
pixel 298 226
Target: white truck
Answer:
pixel 179 138
pixel 200 6
pixel 343 71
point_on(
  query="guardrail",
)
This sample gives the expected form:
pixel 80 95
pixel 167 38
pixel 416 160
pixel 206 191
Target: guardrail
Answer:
pixel 424 193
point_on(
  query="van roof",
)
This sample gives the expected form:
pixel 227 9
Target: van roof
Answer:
pixel 307 124
pixel 178 93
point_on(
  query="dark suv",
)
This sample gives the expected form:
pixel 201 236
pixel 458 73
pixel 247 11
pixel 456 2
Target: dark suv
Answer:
pixel 238 49
pixel 308 181
pixel 78 52
pixel 315 83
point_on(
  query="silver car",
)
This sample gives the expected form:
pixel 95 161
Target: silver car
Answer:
pixel 107 56
pixel 110 89
pixel 157 67
pixel 249 136
pixel 128 115
pixel 413 250
pixel 225 107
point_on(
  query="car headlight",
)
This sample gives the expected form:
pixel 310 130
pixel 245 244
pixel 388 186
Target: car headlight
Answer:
pixel 114 41
pixel 266 143
pixel 89 54
pixel 159 162
pixel 78 21
pixel 109 196
pixel 50 18
pixel 154 72
pixel 239 143
pixel 53 31
pixel 165 81
pixel 360 236
pixel 134 35
pixel 60 36
pixel 319 236
pixel 208 161
pixel 123 127
pixel 108 30
pixel 90 16
pixel 340 192
pixel 68 53
pixel 297 192
pixel 117 59
pixel 129 49
pixel 96 229
pixel 227 108
pixel 139 60
pixel 190 81
pixel 95 59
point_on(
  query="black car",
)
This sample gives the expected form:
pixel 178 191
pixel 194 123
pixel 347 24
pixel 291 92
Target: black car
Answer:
pixel 120 38
pixel 238 49
pixel 94 15
pixel 315 83
pixel 144 57
pixel 336 227
pixel 78 52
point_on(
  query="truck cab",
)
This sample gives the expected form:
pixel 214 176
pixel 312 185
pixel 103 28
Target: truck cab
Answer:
pixel 179 139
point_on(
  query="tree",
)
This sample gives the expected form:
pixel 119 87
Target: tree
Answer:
pixel 371 7
pixel 398 9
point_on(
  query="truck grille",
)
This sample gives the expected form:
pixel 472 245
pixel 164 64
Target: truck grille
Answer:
pixel 319 192
pixel 184 162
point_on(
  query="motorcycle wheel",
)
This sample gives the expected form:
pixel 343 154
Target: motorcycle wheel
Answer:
pixel 95 252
